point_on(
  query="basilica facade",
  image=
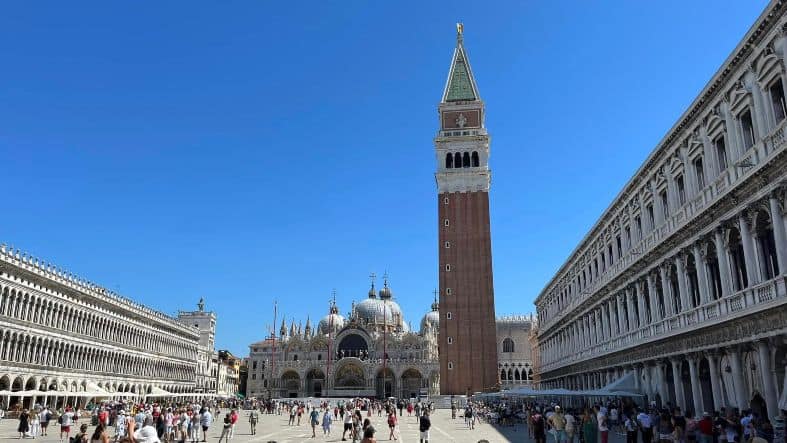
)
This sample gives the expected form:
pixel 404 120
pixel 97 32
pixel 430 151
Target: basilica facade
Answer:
pixel 679 289
pixel 371 352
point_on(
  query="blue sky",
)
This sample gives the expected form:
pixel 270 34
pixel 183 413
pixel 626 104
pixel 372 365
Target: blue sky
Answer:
pixel 252 151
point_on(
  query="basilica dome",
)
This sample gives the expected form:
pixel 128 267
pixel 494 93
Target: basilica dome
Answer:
pixel 432 318
pixel 332 322
pixel 382 310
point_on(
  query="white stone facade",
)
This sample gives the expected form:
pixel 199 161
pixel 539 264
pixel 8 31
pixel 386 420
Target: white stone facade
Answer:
pixel 681 282
pixel 63 334
pixel 514 352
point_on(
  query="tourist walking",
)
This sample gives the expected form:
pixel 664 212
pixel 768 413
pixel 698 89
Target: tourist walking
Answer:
pixel 537 425
pixel 24 426
pixel 392 426
pixel 645 426
pixel 558 423
pixel 225 431
pixel 326 423
pixel 66 419
pixel 424 424
pixel 44 417
pixel 368 435
pixel 632 429
pixel 253 421
pixel 35 424
pixel 314 420
pixel 348 425
pixel 233 420
pixel 194 427
pixel 205 420
pixel 589 427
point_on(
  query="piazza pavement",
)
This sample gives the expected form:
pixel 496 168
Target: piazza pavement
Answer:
pixel 274 428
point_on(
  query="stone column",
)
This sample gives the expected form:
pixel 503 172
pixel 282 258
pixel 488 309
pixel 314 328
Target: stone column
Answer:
pixel 724 265
pixel 648 388
pixel 682 286
pixel 629 308
pixel 661 381
pixel 665 288
pixel 614 325
pixel 696 388
pixel 680 397
pixel 643 316
pixel 733 137
pixel 737 377
pixel 652 298
pixel 748 251
pixel 621 314
pixel 608 317
pixel 603 321
pixel 701 275
pixel 768 380
pixel 779 233
pixel 715 378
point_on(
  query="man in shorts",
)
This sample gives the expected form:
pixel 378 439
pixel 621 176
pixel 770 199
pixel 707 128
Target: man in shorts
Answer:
pixel 558 422
pixel 423 425
pixel 348 425
pixel 66 420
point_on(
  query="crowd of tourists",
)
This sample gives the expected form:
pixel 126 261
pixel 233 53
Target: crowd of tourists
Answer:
pixel 594 423
pixel 131 422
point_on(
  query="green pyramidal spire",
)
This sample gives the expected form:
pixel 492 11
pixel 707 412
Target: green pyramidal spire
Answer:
pixel 461 84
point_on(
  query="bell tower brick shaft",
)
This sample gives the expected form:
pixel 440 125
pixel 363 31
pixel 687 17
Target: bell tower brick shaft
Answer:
pixel 467 340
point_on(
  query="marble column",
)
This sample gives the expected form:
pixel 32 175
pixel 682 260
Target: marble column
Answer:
pixel 715 379
pixel 702 278
pixel 768 380
pixel 696 387
pixel 614 325
pixel 621 314
pixel 665 289
pixel 661 383
pixel 642 317
pixel 734 356
pixel 724 265
pixel 680 266
pixel 748 250
pixel 779 234
pixel 603 321
pixel 648 388
pixel 628 294
pixel 653 299
pixel 680 397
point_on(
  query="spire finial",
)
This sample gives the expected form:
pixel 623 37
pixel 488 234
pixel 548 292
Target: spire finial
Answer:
pixel 385 279
pixel 460 29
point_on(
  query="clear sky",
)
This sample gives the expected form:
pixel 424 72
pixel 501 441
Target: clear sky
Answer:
pixel 252 151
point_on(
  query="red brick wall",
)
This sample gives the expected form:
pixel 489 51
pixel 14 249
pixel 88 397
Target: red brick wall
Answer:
pixel 471 302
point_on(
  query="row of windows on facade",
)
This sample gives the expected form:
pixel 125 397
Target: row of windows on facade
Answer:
pixel 669 300
pixel 745 121
pixel 515 375
pixel 56 353
pixel 462 160
pixel 31 308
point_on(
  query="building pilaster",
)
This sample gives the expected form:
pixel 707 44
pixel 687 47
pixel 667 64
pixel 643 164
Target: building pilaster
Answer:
pixel 779 233
pixel 724 265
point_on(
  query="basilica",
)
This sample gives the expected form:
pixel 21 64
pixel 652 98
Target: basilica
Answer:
pixel 372 352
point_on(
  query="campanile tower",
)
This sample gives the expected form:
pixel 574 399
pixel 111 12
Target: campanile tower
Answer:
pixel 468 342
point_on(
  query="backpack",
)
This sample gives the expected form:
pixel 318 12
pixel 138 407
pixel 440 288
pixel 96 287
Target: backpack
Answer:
pixel 60 419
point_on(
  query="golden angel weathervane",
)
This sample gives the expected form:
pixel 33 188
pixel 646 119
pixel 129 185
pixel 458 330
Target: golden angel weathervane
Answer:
pixel 460 29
